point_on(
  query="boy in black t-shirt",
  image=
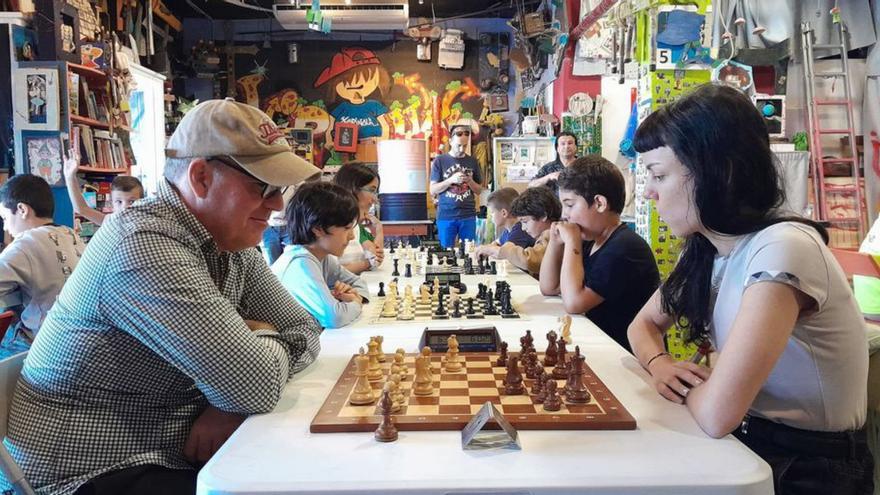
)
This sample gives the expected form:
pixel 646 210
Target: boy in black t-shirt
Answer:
pixel 598 266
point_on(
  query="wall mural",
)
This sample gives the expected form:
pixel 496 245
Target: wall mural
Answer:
pixel 379 86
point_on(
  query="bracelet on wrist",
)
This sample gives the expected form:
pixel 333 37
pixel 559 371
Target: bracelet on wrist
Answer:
pixel 664 353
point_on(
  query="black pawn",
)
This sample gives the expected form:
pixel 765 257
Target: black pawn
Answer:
pixel 396 272
pixel 408 271
pixel 470 306
pixel 456 311
pixel 502 358
pixel 381 289
pixel 493 268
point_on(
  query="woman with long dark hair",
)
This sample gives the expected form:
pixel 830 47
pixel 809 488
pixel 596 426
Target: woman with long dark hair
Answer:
pixel 762 287
pixel 366 250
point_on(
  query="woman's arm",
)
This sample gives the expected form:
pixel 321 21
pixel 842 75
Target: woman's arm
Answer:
pixel 758 336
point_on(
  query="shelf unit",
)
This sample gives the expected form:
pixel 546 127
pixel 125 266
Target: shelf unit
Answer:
pixel 516 160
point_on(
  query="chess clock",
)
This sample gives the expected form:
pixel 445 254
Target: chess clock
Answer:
pixel 446 279
pixel 481 339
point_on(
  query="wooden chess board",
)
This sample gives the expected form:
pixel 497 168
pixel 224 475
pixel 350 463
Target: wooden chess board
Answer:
pixel 457 396
pixel 425 311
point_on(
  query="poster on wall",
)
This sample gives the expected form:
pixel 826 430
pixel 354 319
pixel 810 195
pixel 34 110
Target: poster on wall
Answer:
pixel 378 86
pixel 36 99
pixel 42 155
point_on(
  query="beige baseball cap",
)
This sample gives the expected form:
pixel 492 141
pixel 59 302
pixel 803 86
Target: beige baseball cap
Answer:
pixel 243 133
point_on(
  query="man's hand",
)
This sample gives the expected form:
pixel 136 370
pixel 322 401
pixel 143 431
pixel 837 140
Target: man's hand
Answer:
pixel 457 178
pixel 255 325
pixel 552 176
pixel 208 433
pixel 569 233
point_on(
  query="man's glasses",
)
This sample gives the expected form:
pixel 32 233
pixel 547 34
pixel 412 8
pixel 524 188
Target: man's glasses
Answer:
pixel 267 190
pixel 461 133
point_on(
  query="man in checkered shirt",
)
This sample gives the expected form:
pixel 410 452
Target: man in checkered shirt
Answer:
pixel 173 328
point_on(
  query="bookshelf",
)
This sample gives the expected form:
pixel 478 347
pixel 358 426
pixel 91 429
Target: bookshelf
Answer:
pixel 84 106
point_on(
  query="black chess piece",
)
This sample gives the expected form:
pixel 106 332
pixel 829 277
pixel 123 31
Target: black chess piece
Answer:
pixel 408 271
pixel 481 291
pixel 550 353
pixel 538 385
pixel 502 358
pixel 441 307
pixel 391 250
pixel 480 268
pixel 396 272
pixel 456 309
pixel 493 268
pixel 560 371
pixel 513 382
pixel 490 308
pixel 552 402
pixel 461 249
pixel 468 266
pixel 381 289
pixel 470 306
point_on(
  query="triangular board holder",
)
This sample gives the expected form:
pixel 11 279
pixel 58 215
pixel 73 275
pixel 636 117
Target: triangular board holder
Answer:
pixel 473 437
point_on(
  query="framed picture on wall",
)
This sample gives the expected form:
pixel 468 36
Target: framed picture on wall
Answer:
pixel 42 155
pixel 506 152
pixel 345 137
pixel 35 92
pixel 498 103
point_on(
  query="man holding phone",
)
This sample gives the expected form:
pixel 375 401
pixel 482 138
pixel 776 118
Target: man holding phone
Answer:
pixel 456 179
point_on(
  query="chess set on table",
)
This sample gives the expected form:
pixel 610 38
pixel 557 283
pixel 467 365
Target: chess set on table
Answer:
pixel 435 260
pixel 441 302
pixel 426 391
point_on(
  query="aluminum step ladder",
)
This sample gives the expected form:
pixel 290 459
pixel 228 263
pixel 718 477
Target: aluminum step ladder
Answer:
pixel 817 131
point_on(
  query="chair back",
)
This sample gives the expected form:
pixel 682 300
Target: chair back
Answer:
pixel 10 369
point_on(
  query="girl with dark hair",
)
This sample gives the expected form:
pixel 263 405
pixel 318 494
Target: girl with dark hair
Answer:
pixel 365 251
pixel 762 287
pixel 320 217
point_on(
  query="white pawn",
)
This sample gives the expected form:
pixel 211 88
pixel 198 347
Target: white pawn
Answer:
pixel 406 312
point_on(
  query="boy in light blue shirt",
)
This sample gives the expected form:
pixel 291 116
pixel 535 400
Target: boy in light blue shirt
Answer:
pixel 321 218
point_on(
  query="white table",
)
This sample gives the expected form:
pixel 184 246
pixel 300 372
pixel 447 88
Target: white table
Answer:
pixel 666 454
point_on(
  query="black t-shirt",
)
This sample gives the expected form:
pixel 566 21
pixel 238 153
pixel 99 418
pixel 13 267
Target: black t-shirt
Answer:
pixel 624 272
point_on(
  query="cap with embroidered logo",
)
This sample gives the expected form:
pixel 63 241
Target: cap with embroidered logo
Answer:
pixel 243 133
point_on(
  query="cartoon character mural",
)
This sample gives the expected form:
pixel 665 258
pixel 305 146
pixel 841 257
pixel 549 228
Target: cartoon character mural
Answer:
pixel 282 107
pixel 316 118
pixel 354 75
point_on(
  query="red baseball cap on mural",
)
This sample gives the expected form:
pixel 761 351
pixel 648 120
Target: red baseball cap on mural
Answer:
pixel 347 59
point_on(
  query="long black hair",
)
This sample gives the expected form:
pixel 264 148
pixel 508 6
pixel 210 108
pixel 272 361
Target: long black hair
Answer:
pixel 721 139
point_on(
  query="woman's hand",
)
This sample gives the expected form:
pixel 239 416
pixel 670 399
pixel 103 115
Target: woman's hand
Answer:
pixel 673 380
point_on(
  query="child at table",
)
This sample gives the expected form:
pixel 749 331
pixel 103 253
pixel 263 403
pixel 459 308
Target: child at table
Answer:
pixel 536 209
pixel 321 218
pixel 507 226
pixel 41 258
pixel 599 266
pixel 791 373
pixel 124 190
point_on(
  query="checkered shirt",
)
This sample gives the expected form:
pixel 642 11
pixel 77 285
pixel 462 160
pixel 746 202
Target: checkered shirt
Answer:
pixel 149 330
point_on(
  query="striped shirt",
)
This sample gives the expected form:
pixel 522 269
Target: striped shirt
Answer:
pixel 145 334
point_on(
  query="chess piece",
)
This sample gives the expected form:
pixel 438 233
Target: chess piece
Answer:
pixel 470 307
pixel 396 272
pixel 453 365
pixel 550 353
pixel 539 399
pixel 381 292
pixel 397 394
pixel 481 291
pixel 379 339
pixel 389 308
pixel 363 392
pixel 399 358
pixel 513 381
pixel 480 268
pixel 407 292
pixel 426 352
pixel 538 385
pixel 456 311
pixel 429 259
pixel 386 432
pixel 441 308
pixel 565 327
pixel 408 270
pixel 406 312
pixel 533 365
pixel 493 268
pixel 502 357
pixel 530 341
pixel 576 390
pixel 560 371
pixel 374 370
pixel 490 309
pixel 424 294
pixel 396 364
pixel 552 402
pixel 424 383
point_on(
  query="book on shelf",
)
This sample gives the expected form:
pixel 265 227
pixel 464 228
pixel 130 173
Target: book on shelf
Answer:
pixel 73 92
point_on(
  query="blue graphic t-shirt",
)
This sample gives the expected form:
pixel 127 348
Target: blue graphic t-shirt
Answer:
pixel 365 115
pixel 458 201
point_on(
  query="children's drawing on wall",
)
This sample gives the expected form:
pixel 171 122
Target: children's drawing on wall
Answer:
pixel 36 89
pixel 354 75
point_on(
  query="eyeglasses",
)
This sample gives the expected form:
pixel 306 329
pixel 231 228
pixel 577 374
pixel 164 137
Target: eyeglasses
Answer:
pixel 461 133
pixel 267 190
pixel 369 190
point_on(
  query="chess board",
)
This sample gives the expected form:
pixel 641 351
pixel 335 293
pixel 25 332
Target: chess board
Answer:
pixel 431 269
pixel 425 311
pixel 457 396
